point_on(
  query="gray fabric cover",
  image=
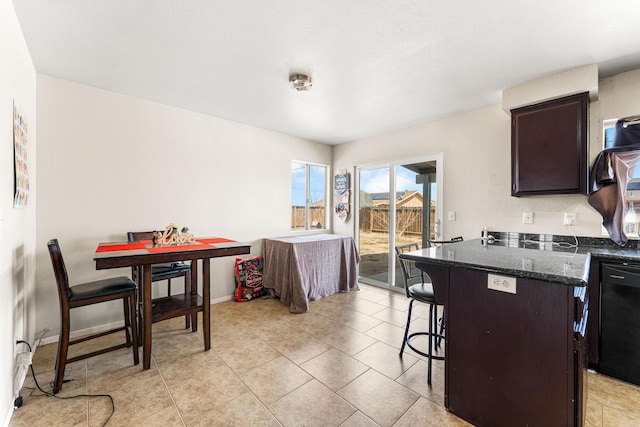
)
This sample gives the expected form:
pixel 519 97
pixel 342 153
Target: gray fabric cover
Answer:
pixel 305 268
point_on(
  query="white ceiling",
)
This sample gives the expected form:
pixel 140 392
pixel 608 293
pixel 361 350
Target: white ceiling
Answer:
pixel 376 65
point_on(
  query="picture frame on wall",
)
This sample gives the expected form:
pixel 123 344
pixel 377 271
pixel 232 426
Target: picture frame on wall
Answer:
pixel 21 163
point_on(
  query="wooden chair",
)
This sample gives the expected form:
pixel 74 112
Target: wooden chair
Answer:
pixel 166 271
pixel 419 289
pixel 87 294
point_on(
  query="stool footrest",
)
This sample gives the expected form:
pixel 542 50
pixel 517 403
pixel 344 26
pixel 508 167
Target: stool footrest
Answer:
pixel 420 352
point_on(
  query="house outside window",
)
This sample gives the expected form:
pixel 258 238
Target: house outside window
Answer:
pixel 309 195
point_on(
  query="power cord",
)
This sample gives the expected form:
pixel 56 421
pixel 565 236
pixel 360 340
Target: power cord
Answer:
pixel 49 394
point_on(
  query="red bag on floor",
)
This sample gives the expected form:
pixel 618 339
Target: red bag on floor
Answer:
pixel 248 274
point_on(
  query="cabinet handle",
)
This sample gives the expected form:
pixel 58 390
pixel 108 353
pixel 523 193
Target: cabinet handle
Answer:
pixel 615 276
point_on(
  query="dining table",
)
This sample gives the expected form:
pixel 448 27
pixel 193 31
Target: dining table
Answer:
pixel 144 253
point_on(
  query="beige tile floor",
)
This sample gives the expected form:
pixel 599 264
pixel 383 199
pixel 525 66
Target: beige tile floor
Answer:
pixel 336 365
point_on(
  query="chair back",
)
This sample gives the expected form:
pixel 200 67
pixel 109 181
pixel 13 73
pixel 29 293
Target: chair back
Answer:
pixel 60 271
pixel 409 270
pixel 134 236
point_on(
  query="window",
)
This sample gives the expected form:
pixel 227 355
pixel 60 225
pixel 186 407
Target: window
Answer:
pixel 609 135
pixel 308 196
pixel 609 132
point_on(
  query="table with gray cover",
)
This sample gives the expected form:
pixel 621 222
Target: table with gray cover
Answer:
pixel 300 269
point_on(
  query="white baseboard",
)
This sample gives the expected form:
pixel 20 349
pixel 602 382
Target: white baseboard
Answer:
pixel 222 299
pixel 19 377
pixel 82 332
pixel 7 417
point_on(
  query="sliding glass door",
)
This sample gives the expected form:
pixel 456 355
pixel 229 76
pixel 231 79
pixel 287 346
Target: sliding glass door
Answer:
pixel 373 230
pixel 409 214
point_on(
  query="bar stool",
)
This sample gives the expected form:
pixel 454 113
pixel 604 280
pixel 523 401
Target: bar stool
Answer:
pixel 85 294
pixel 422 292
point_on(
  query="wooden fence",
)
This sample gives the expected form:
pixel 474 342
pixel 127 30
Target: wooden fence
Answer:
pixel 372 219
pixel 408 220
pixel 316 213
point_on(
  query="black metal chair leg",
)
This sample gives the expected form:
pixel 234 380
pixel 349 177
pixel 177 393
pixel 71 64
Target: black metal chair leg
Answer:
pixel 441 332
pixel 430 352
pixel 406 329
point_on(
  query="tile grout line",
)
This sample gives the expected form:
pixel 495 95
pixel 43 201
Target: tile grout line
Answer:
pixel 249 388
pixel 175 404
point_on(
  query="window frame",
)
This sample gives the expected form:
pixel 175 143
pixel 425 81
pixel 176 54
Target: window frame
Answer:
pixel 607 125
pixel 308 191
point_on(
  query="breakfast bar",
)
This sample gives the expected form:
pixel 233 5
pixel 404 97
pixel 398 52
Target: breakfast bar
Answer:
pixel 515 316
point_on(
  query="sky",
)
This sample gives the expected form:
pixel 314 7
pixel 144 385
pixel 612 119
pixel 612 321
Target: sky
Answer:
pixel 377 180
pixel 298 183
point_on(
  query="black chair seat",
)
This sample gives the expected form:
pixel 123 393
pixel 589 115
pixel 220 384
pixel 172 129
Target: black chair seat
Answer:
pixel 422 292
pixel 101 288
pixel 163 271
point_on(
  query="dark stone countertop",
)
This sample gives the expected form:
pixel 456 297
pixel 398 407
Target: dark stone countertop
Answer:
pixel 599 247
pixel 555 259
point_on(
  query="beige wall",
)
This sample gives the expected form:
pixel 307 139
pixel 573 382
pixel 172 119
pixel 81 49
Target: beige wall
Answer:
pixel 476 148
pixel 110 163
pixel 17 226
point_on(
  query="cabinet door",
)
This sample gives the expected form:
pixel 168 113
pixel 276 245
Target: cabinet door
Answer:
pixel 549 147
pixel 509 355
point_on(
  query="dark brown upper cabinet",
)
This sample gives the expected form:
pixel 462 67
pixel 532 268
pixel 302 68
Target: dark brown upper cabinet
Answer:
pixel 549 152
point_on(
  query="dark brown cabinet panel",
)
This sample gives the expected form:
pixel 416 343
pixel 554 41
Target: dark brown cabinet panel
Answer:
pixel 513 359
pixel 549 147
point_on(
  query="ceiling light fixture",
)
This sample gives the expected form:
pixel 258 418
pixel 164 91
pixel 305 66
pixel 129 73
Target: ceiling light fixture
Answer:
pixel 300 82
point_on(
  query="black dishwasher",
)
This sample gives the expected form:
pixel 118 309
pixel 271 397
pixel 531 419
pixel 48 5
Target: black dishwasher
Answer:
pixel 620 322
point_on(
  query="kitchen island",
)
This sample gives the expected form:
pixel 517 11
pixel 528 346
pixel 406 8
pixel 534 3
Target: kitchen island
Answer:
pixel 515 316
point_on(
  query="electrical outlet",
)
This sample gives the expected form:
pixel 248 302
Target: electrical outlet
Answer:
pixel 527 217
pixel 24 358
pixel 501 283
pixel 452 215
pixel 569 218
